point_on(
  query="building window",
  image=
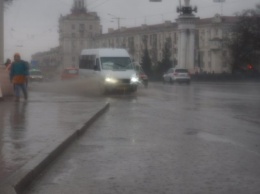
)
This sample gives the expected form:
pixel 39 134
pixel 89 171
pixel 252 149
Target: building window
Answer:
pixel 90 27
pixel 81 34
pixel 175 37
pixel 209 55
pixel 81 27
pixel 216 32
pixel 72 26
pixel 73 44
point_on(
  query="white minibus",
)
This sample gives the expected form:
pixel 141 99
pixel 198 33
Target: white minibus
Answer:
pixel 112 67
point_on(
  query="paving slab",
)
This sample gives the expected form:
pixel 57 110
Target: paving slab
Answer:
pixel 33 132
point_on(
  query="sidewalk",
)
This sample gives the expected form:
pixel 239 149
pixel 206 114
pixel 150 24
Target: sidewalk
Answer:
pixel 33 133
pixel 5 85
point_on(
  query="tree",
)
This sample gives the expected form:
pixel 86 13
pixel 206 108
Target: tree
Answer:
pixel 166 62
pixel 8 1
pixel 244 43
pixel 146 62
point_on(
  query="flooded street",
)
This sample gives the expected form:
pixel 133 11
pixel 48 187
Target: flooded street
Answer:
pixel 203 138
pixel 50 113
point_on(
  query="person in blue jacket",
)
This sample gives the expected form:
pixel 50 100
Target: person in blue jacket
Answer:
pixel 19 72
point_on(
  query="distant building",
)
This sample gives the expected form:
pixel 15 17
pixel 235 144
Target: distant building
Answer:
pixel 48 62
pixel 211 54
pixel 81 29
pixel 77 31
pixel 137 38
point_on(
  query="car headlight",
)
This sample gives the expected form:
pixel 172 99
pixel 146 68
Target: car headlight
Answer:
pixel 110 80
pixel 134 79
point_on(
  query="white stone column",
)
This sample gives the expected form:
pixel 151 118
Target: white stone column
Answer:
pixel 191 63
pixel 186 42
pixel 1 31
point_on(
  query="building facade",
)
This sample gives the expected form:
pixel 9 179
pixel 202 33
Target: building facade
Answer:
pixel 48 62
pixel 135 40
pixel 77 31
pixel 81 29
pixel 211 54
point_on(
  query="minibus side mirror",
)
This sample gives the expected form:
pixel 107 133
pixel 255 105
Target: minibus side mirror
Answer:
pixel 96 68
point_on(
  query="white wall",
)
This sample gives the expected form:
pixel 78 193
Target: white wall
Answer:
pixel 1 31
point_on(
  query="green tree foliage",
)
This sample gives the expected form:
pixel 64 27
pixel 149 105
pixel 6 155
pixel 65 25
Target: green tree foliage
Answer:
pixel 245 40
pixel 8 1
pixel 146 62
pixel 166 62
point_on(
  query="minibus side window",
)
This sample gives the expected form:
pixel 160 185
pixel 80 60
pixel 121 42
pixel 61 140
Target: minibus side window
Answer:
pixel 97 66
pixel 87 62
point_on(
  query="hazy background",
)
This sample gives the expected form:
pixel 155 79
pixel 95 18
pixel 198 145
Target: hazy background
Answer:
pixel 32 25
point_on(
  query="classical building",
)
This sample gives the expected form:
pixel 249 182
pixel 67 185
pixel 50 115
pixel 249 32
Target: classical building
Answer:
pixel 210 52
pixel 77 31
pixel 81 29
pixel 136 39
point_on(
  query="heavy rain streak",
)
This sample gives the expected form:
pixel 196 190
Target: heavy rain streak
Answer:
pixel 129 97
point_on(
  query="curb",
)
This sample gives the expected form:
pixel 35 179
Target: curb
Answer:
pixel 1 94
pixel 21 179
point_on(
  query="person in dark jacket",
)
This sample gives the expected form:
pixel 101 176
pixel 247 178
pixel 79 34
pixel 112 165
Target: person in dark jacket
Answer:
pixel 19 72
pixel 8 64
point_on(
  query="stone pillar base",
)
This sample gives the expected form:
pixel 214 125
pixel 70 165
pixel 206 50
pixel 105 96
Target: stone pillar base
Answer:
pixel 6 88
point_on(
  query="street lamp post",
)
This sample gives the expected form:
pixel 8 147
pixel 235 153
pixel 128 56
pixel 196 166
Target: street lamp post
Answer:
pixel 118 20
pixel 1 31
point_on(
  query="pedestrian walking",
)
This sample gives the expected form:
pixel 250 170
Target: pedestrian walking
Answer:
pixel 18 75
pixel 8 64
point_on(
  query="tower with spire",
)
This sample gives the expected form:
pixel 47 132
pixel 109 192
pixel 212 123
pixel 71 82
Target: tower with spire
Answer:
pixel 78 7
pixel 186 33
pixel 77 31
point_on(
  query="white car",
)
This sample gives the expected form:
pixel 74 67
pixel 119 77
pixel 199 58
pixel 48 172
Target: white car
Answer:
pixel 35 75
pixel 179 75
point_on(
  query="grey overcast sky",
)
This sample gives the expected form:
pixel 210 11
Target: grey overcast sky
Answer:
pixel 32 25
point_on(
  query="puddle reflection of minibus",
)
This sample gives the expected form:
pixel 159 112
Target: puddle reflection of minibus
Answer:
pixel 112 68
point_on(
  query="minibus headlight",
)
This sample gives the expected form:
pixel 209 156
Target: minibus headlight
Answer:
pixel 134 79
pixel 110 80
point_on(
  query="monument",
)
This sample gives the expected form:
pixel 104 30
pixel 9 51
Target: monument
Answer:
pixel 1 32
pixel 186 36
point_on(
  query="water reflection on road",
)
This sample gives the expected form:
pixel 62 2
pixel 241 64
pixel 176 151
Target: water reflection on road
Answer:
pixel 26 128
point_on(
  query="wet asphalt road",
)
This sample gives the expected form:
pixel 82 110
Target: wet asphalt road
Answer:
pixel 197 139
pixel 49 115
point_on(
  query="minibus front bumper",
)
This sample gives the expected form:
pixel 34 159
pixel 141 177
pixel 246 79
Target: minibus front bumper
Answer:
pixel 124 84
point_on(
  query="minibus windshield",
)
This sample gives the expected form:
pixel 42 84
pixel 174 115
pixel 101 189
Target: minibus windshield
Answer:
pixel 116 63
